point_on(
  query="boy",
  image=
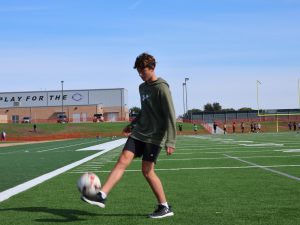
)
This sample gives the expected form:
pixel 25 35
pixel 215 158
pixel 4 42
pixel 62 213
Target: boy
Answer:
pixel 153 128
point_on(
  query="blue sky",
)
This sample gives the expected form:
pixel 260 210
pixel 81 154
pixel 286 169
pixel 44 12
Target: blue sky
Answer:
pixel 223 46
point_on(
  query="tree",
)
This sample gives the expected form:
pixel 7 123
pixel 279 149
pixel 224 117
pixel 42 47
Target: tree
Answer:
pixel 208 107
pixel 227 110
pixel 191 112
pixel 134 110
pixel 245 109
pixel 217 107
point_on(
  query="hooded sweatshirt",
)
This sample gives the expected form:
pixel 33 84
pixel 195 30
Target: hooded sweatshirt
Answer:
pixel 156 123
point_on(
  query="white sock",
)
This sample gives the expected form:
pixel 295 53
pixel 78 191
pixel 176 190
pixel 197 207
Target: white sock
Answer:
pixel 103 195
pixel 165 204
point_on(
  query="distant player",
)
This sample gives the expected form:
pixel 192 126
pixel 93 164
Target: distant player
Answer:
pixel 233 127
pixel 242 127
pixel 195 127
pixel 215 127
pixel 225 128
pixel 155 127
pixel 180 128
pixel 290 126
pixel 3 136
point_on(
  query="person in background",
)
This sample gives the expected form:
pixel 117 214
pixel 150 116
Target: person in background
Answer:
pixel 34 127
pixel 242 127
pixel 3 136
pixel 225 128
pixel 195 127
pixel 233 127
pixel 215 127
pixel 180 128
pixel 290 126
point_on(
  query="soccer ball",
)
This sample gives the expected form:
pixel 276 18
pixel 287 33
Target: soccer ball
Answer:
pixel 89 184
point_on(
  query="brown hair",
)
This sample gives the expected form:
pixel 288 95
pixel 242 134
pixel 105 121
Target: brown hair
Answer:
pixel 144 60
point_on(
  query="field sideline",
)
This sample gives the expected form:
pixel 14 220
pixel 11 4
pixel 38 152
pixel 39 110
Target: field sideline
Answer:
pixel 212 180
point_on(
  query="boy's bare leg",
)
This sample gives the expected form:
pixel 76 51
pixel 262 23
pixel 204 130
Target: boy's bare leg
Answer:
pixel 154 181
pixel 115 175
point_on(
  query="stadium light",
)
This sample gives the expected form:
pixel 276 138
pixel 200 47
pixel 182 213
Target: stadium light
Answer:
pixel 186 102
pixel 62 96
pixel 257 94
pixel 299 91
pixel 183 84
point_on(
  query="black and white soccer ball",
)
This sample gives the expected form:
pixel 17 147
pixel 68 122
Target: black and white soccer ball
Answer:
pixel 89 184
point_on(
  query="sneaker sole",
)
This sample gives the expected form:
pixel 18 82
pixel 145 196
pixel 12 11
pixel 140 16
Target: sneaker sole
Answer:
pixel 101 205
pixel 163 216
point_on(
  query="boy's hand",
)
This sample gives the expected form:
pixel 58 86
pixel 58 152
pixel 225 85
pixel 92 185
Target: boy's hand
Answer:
pixel 127 131
pixel 170 150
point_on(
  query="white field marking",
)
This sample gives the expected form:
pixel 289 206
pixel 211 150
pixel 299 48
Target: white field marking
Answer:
pixel 218 158
pixel 32 150
pixel 267 168
pixel 192 153
pixel 217 148
pixel 291 150
pixel 29 184
pixel 100 146
pixel 198 168
pixel 244 157
pixel 47 150
pixel 262 144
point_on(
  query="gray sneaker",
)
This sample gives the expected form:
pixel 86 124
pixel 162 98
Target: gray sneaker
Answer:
pixel 161 212
pixel 97 200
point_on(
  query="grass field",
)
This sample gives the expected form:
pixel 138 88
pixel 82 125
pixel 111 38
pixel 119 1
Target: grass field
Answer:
pixel 245 179
pixel 49 131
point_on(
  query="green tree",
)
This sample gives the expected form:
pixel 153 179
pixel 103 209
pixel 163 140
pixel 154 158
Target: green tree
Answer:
pixel 228 109
pixel 134 110
pixel 217 107
pixel 208 107
pixel 245 109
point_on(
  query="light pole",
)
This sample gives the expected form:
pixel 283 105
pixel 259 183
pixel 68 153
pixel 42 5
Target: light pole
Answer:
pixel 299 91
pixel 62 97
pixel 183 84
pixel 257 95
pixel 186 102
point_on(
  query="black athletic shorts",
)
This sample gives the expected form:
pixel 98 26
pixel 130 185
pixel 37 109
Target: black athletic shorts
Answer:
pixel 149 151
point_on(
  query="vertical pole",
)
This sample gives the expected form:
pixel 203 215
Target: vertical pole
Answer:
pixel 186 98
pixel 277 123
pixel 299 91
pixel 257 95
pixel 62 96
pixel 183 84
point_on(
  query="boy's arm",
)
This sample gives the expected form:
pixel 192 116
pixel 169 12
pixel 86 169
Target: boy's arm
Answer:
pixel 169 114
pixel 128 129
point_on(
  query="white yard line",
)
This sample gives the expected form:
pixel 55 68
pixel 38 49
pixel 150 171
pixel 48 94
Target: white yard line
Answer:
pixel 217 158
pixel 29 184
pixel 47 150
pixel 262 145
pixel 197 168
pixel 267 168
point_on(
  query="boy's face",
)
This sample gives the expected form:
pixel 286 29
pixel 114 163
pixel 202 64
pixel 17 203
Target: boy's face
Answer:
pixel 146 74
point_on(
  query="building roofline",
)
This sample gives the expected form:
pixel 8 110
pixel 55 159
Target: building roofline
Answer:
pixel 104 89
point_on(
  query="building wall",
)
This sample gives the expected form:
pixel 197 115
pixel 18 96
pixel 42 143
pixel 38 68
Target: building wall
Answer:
pixel 105 97
pixel 78 105
pixel 49 114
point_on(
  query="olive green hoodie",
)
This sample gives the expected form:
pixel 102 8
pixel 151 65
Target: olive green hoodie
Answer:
pixel 156 123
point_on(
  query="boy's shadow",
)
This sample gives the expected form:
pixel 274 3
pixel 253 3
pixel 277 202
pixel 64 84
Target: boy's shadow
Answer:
pixel 66 215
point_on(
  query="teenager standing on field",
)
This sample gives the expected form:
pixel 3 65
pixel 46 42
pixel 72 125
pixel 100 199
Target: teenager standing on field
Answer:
pixel 154 128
